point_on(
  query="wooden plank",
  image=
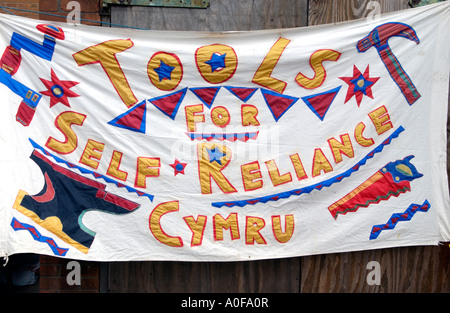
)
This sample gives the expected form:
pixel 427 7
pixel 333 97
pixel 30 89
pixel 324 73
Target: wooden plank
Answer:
pixel 221 15
pixel 269 276
pixel 334 11
pixel 320 12
pixel 408 269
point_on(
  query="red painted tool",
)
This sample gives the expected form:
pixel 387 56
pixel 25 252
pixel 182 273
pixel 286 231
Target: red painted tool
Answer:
pixel 378 38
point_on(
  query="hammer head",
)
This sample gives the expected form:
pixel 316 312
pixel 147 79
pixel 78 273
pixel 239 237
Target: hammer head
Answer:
pixel 379 36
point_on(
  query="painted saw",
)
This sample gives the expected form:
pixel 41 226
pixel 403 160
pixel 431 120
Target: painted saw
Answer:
pixel 392 179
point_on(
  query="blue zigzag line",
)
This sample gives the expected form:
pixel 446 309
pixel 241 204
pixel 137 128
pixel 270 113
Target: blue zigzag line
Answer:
pixel 222 136
pixel 16 225
pixel 86 171
pixel 318 186
pixel 399 217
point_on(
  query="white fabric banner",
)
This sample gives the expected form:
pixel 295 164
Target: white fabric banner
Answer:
pixel 122 144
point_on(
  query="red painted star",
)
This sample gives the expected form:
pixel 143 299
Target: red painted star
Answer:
pixel 359 85
pixel 58 90
pixel 178 167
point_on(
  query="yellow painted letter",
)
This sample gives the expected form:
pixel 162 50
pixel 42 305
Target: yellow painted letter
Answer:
pixel 64 122
pixel 197 227
pixel 274 174
pixel 248 114
pixel 263 74
pixel 320 163
pixel 192 118
pixel 281 236
pixel 381 120
pixel 146 167
pixel 231 223
pixel 363 141
pixel 252 228
pixel 93 149
pixel 343 147
pixel 251 176
pixel 212 160
pixel 105 54
pixel 316 60
pixel 155 224
pixel 113 169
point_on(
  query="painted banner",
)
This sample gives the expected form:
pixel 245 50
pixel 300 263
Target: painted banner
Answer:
pixel 121 144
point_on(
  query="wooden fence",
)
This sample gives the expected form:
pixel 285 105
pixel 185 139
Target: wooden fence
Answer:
pixel 409 269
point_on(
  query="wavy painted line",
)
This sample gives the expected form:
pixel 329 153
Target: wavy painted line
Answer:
pixel 244 137
pixel 86 171
pixel 399 217
pixel 318 186
pixel 16 225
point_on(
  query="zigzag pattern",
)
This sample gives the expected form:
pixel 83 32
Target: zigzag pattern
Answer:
pixel 399 217
pixel 318 186
pixel 16 225
pixel 86 171
pixel 374 201
pixel 222 136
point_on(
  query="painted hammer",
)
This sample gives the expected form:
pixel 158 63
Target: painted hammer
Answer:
pixel 378 38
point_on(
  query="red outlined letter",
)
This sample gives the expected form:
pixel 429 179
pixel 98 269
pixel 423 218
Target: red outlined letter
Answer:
pixel 263 76
pixel 253 226
pixel 197 228
pixel 105 54
pixel 155 224
pixel 146 167
pixel 64 123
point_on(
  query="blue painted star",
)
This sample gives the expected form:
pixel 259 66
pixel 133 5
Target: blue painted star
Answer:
pixel 215 155
pixel 359 85
pixel 164 71
pixel 217 61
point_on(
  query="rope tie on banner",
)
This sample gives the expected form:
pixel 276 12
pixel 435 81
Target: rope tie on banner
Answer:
pixel 5 8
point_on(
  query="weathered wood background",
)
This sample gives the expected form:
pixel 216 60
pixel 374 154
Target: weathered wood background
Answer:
pixel 410 269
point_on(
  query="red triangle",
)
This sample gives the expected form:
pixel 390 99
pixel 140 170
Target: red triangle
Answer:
pixel 134 118
pixel 169 104
pixel 61 251
pixel 207 94
pixel 277 103
pixel 242 93
pixel 320 103
pixel 17 224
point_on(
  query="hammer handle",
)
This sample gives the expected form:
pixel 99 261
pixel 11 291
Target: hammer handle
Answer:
pixel 399 75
